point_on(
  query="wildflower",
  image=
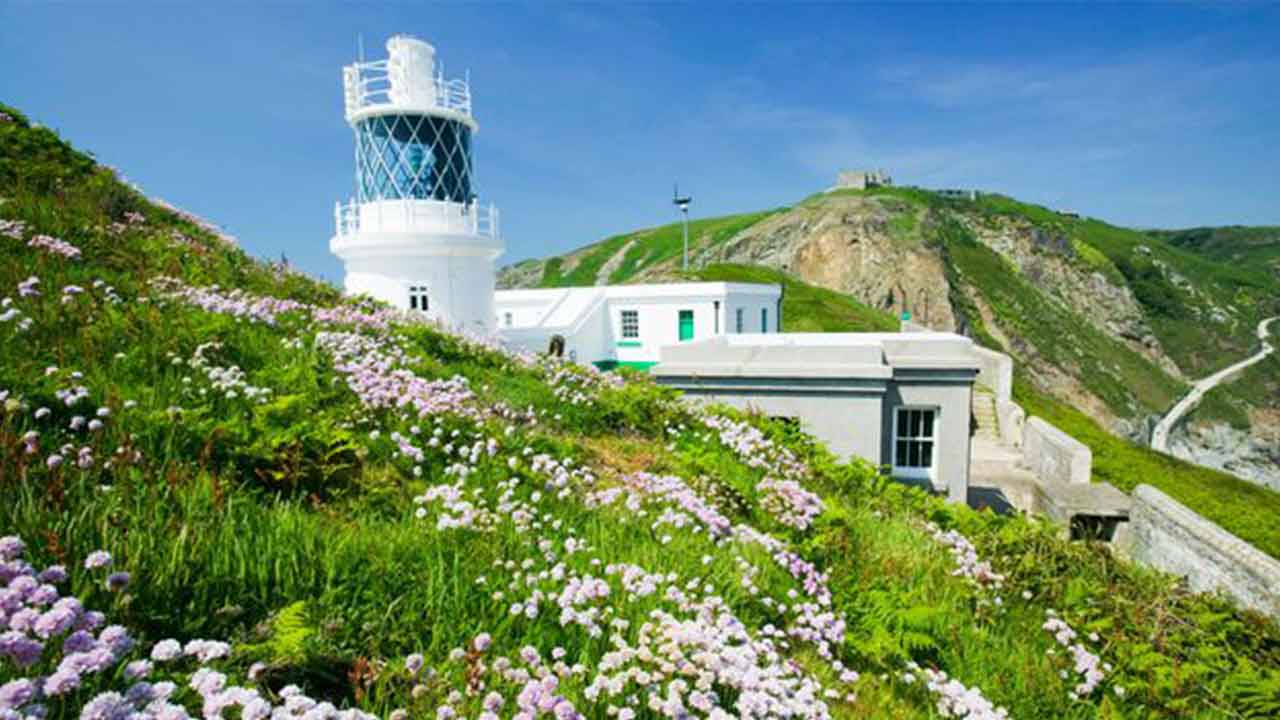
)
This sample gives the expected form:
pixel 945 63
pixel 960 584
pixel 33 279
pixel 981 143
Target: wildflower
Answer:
pixel 413 663
pixel 61 682
pixel 166 650
pixel 54 461
pixel 42 413
pixel 16 693
pixel 97 560
pixel 107 706
pixel 137 669
pixel 117 581
pixel 11 547
pixel 482 642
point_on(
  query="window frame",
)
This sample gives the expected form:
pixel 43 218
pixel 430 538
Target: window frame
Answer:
pixel 917 471
pixel 419 295
pixel 738 320
pixel 623 326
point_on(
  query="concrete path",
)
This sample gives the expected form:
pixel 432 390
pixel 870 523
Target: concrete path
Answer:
pixel 1160 436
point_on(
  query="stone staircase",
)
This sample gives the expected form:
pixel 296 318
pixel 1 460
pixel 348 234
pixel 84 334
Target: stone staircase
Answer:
pixel 996 476
pixel 999 479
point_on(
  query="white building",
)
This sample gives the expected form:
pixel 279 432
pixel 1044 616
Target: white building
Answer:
pixel 414 235
pixel 628 325
pixel 900 400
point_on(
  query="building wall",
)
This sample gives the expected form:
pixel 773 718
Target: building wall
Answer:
pixel 849 424
pixel 598 338
pixel 659 325
pixel 459 288
pixel 751 307
pixel 953 402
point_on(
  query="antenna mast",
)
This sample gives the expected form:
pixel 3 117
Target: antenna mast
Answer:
pixel 683 204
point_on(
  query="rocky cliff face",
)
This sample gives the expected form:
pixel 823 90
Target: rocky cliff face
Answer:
pixel 1252 454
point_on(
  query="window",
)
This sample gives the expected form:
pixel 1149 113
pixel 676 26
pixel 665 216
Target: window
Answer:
pixel 764 320
pixel 913 441
pixel 630 324
pixel 507 319
pixel 418 298
pixel 716 312
pixel 738 320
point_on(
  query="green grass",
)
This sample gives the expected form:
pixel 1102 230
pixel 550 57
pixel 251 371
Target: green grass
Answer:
pixel 648 248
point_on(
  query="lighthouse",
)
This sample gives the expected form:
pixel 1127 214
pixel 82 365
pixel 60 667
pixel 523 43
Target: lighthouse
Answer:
pixel 414 235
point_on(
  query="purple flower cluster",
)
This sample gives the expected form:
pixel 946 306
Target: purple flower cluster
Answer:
pixel 968 564
pixel 44 626
pixel 13 229
pixel 954 699
pixel 1088 666
pixel 236 303
pixel 789 502
pixel 55 246
pixel 375 374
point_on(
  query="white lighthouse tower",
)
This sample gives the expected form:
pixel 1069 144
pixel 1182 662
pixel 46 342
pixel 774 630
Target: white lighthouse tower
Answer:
pixel 414 235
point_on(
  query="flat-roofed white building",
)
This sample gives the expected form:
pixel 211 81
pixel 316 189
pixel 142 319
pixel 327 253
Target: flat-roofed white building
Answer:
pixel 899 400
pixel 628 325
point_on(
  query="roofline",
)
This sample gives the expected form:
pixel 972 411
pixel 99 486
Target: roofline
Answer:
pixel 657 289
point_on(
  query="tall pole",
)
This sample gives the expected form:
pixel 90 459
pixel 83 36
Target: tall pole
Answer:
pixel 685 211
pixel 683 204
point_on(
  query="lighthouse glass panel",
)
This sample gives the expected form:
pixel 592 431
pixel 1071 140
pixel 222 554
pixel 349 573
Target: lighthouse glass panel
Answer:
pixel 413 157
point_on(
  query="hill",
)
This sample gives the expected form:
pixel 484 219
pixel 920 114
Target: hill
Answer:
pixel 1109 320
pixel 231 493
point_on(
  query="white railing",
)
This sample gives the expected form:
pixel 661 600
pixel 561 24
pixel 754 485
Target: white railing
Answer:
pixel 427 216
pixel 368 85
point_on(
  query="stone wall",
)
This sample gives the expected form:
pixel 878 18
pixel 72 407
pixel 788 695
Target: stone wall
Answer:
pixel 995 371
pixel 1053 455
pixel 1169 536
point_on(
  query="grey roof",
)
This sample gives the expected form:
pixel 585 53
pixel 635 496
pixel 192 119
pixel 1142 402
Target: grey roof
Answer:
pixel 817 355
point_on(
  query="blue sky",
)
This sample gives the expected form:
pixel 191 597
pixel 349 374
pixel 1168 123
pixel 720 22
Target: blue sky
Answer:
pixel 1149 115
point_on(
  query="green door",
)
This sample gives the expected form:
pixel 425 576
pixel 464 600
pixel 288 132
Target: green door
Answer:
pixel 686 325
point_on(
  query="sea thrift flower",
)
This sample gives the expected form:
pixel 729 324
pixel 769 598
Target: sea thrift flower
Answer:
pixel 166 650
pixel 97 560
pixel 11 547
pixel 55 246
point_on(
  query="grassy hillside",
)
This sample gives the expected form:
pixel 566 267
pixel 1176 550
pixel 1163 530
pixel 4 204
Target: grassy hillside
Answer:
pixel 644 249
pixel 1195 295
pixel 806 308
pixel 230 493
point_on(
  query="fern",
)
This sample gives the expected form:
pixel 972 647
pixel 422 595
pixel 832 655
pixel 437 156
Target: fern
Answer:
pixel 289 633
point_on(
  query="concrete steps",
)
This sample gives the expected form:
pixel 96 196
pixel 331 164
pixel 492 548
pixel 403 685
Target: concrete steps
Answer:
pixel 984 412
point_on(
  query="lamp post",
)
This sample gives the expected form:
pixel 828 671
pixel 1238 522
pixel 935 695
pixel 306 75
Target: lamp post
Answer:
pixel 683 204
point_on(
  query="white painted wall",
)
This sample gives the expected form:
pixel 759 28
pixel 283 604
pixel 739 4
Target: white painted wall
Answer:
pixel 536 315
pixel 459 287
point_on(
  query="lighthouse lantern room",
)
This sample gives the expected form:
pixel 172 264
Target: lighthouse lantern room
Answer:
pixel 414 235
